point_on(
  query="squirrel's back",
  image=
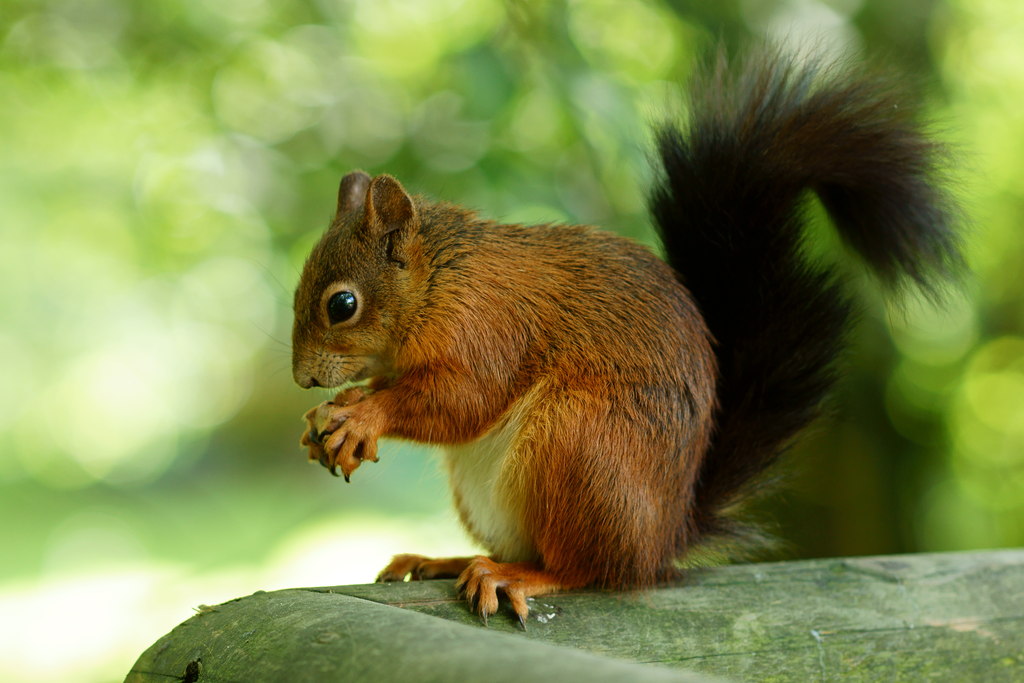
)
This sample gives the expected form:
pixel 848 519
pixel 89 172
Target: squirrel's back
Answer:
pixel 583 299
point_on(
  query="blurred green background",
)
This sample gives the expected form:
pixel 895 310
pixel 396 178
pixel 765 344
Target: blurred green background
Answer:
pixel 166 165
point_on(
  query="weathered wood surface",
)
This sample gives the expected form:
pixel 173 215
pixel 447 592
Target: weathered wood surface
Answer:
pixel 308 636
pixel 955 616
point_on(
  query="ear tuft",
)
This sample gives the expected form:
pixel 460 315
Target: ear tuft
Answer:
pixel 389 204
pixel 352 192
pixel 390 215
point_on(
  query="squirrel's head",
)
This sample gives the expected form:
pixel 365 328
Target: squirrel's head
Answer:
pixel 357 285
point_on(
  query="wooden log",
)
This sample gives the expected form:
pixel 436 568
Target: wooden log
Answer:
pixel 952 616
pixel 309 636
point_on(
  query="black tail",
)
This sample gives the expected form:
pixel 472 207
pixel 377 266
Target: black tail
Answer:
pixel 730 211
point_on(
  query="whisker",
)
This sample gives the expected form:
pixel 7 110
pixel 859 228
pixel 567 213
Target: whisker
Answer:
pixel 266 269
pixel 271 337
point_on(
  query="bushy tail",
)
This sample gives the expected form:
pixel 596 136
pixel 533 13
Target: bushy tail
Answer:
pixel 730 211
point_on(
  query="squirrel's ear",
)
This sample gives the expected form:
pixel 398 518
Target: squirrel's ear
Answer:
pixel 352 192
pixel 390 214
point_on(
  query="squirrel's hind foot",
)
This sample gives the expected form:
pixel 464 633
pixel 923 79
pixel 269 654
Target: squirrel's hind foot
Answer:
pixel 483 578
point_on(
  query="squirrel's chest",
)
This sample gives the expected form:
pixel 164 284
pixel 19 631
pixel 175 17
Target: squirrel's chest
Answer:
pixel 489 496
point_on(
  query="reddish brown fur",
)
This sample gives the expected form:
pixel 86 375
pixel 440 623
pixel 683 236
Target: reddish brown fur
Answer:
pixel 587 337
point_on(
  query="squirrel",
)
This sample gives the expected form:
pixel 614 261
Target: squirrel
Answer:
pixel 603 411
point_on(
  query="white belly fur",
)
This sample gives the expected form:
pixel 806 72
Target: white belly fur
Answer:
pixel 484 480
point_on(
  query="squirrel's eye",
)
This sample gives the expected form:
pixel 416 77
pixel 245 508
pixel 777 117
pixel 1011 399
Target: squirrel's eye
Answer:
pixel 341 306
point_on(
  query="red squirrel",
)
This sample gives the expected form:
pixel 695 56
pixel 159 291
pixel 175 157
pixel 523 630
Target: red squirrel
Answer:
pixel 603 410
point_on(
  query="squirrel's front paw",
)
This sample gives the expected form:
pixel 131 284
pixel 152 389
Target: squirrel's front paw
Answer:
pixel 324 419
pixel 339 436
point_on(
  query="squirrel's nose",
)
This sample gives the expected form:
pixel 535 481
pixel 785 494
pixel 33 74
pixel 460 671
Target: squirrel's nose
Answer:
pixel 307 381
